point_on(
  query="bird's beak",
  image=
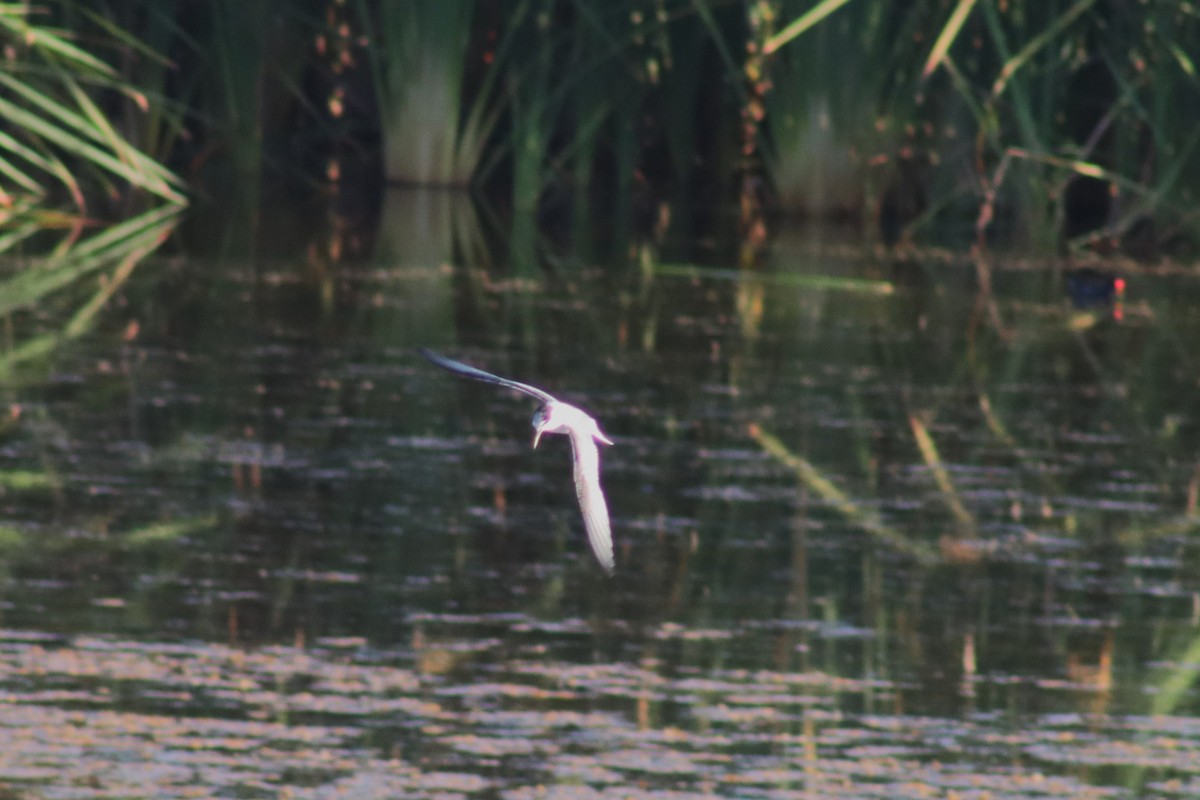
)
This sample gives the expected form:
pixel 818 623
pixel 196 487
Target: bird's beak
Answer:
pixel 537 437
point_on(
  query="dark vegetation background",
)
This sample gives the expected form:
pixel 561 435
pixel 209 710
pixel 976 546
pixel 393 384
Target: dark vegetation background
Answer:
pixel 1054 125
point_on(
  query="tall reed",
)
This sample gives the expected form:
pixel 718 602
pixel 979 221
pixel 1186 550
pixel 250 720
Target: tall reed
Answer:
pixel 1070 94
pixel 434 125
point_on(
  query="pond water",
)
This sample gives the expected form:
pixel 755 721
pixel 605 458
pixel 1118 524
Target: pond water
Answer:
pixel 885 527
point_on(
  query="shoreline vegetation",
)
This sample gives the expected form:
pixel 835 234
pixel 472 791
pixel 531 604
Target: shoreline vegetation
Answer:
pixel 1061 127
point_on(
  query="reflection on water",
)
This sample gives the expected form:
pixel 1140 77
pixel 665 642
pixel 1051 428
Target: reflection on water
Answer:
pixel 880 533
pixel 505 712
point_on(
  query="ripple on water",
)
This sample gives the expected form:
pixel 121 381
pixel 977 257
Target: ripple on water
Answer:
pixel 657 760
pixel 734 715
pixel 529 723
pixel 497 746
pixel 573 769
pixel 506 690
pixel 385 780
pixel 576 792
pixel 1097 503
pixel 1177 787
pixel 309 721
pixel 1161 753
pixel 733 493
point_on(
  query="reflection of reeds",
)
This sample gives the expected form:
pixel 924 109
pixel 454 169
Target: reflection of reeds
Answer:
pixel 941 476
pixel 23 480
pixel 789 279
pixel 812 479
pixel 168 532
pixel 118 249
pixel 1180 679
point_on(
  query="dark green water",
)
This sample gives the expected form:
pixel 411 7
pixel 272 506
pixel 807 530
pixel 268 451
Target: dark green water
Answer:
pixel 254 546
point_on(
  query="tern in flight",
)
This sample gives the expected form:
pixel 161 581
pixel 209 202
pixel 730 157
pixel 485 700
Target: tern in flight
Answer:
pixel 555 416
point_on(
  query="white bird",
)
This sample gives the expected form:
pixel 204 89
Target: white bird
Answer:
pixel 555 416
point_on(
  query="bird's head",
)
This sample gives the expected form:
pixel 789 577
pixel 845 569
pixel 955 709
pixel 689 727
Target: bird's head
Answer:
pixel 564 418
pixel 544 422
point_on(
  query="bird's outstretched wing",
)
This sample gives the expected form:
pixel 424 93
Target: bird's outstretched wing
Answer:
pixel 591 498
pixel 585 455
pixel 468 371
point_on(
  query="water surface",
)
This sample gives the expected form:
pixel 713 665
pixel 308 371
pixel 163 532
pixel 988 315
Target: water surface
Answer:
pixel 883 529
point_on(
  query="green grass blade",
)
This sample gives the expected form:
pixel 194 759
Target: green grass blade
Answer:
pixel 101 129
pixel 799 25
pixel 80 147
pixel 14 234
pixel 732 65
pixel 1038 42
pixel 1021 107
pixel 947 37
pixel 72 131
pixel 16 175
pixel 12 18
pixel 28 154
pixel 1183 59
